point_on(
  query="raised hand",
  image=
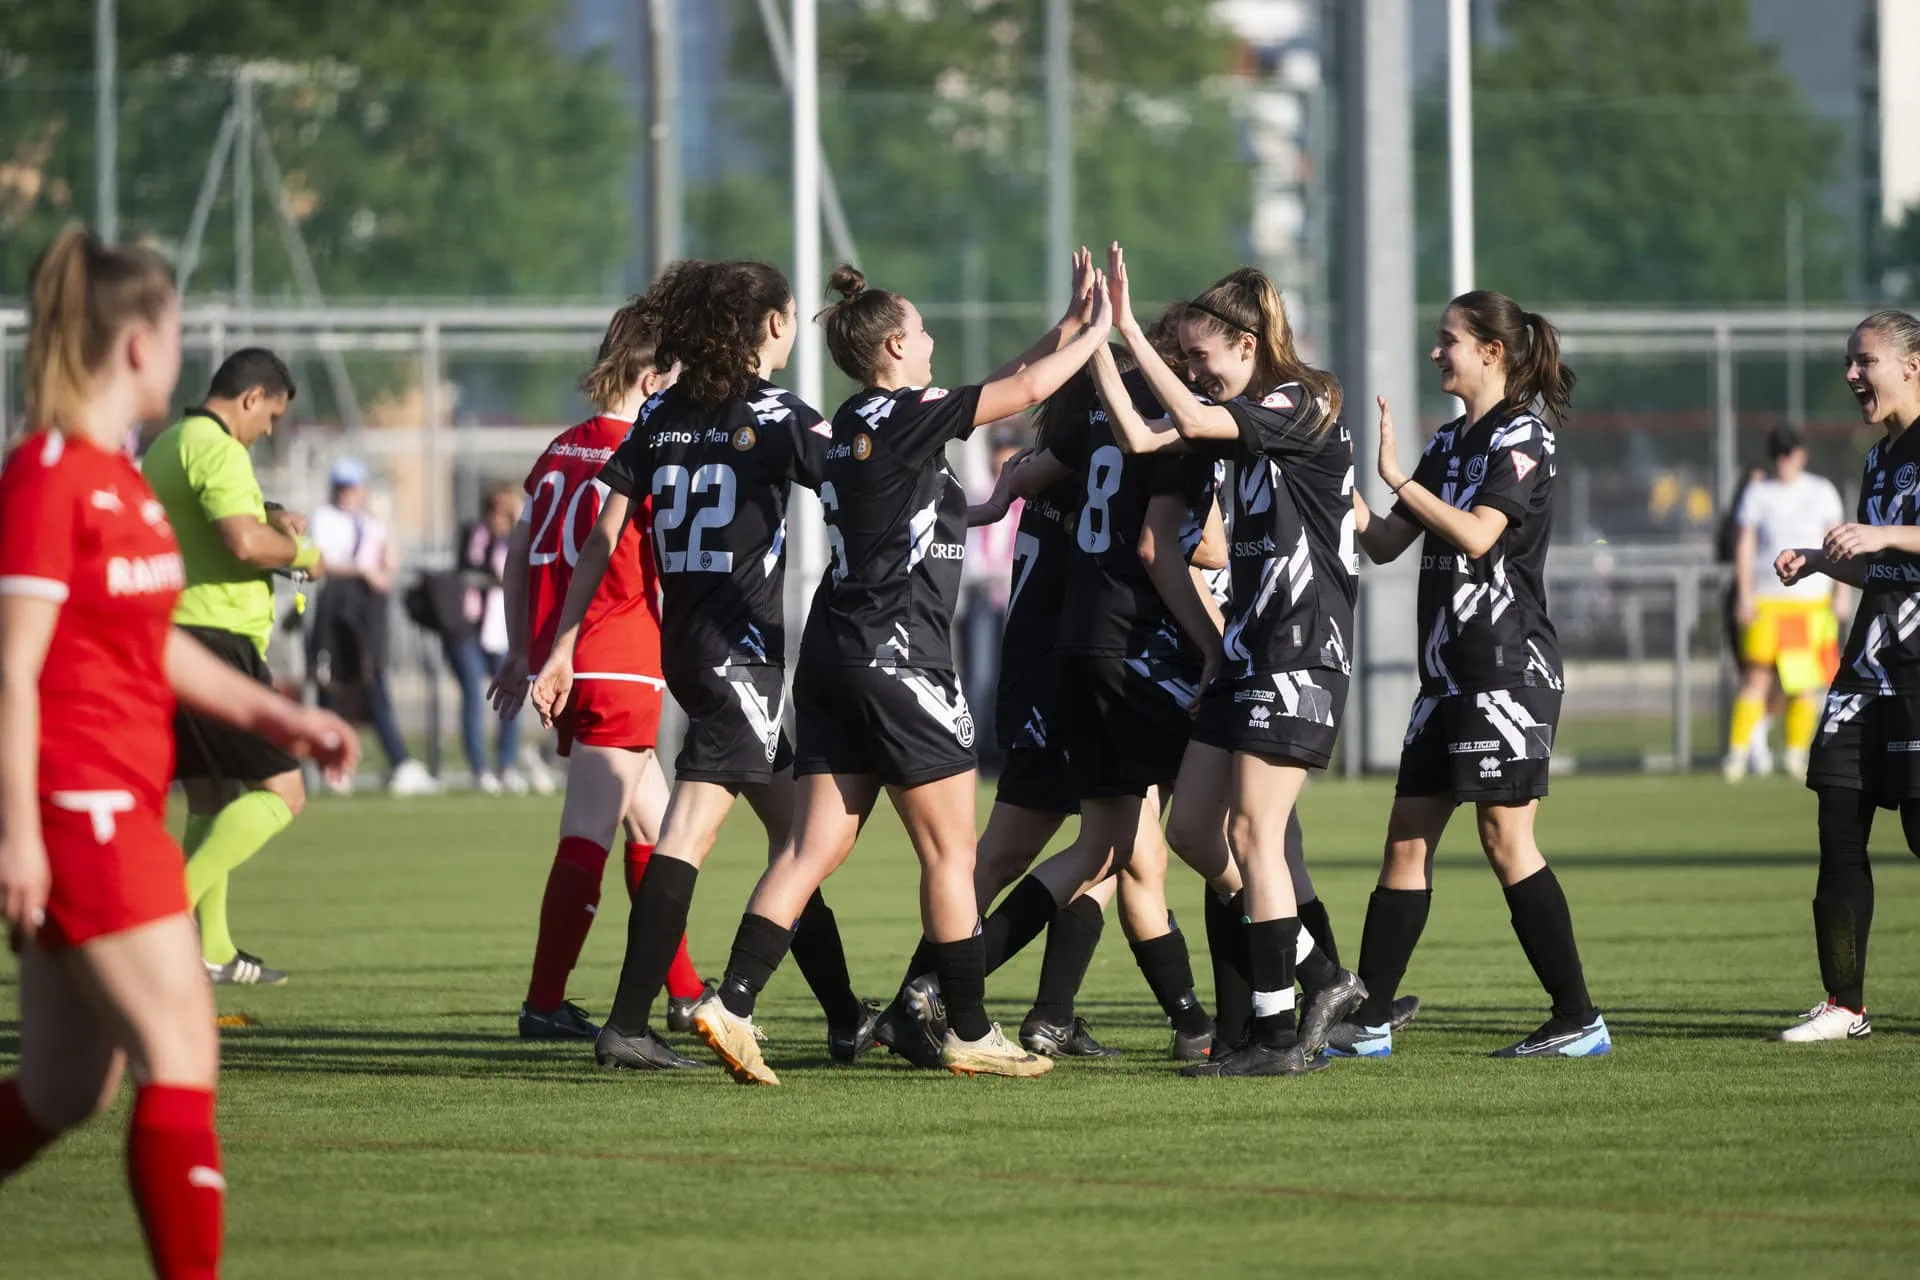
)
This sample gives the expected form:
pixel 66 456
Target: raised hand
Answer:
pixel 1392 474
pixel 1117 290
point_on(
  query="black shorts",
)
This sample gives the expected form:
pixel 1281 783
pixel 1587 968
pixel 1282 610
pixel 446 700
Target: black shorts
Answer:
pixel 1126 723
pixel 1282 715
pixel 1037 778
pixel 734 736
pixel 207 748
pixel 1026 703
pixel 1480 748
pixel 1868 742
pixel 903 725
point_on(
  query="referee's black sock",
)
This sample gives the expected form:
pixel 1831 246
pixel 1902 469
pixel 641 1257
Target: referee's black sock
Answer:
pixel 758 948
pixel 1395 920
pixel 1071 940
pixel 1843 895
pixel 655 925
pixel 1018 920
pixel 1163 963
pixel 823 963
pixel 963 986
pixel 1315 920
pixel 1544 926
pixel 1226 946
pixel 1270 947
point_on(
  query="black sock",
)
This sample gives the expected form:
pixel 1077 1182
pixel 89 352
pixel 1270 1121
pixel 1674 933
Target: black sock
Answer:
pixel 1270 945
pixel 1163 962
pixel 759 945
pixel 1316 972
pixel 963 986
pixel 1018 920
pixel 1226 946
pixel 823 963
pixel 1315 920
pixel 1843 895
pixel 654 927
pixel 1395 920
pixel 921 964
pixel 1544 926
pixel 1071 940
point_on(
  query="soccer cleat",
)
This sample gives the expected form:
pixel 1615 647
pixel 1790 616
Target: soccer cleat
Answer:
pixel 903 1035
pixel 244 970
pixel 1255 1059
pixel 1828 1021
pixel 1062 1039
pixel 1328 1006
pixel 680 1012
pixel 644 1052
pixel 568 1022
pixel 990 1055
pixel 1555 1039
pixel 847 1044
pixel 1405 1009
pixel 1194 1047
pixel 1352 1040
pixel 735 1039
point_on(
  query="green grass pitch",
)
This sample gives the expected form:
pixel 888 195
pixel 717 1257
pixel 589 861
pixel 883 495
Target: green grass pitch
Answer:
pixel 383 1120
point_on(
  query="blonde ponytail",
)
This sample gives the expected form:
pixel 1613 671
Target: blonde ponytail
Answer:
pixel 80 294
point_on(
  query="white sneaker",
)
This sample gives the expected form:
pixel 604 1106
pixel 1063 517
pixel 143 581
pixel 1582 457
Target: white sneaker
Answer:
pixel 410 778
pixel 489 782
pixel 1762 760
pixel 1795 759
pixel 539 775
pixel 1734 767
pixel 1828 1021
pixel 515 782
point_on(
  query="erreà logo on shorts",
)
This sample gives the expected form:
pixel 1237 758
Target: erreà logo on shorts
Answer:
pixel 1258 715
pixel 1489 766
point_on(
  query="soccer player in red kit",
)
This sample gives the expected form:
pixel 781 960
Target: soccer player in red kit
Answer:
pixel 612 720
pixel 91 887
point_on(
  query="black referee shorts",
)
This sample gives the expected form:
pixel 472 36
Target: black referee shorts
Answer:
pixel 207 748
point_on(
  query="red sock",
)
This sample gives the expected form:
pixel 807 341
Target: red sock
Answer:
pixel 173 1162
pixel 683 980
pixel 21 1136
pixel 566 913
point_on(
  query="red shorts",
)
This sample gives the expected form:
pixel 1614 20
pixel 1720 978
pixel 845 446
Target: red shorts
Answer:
pixel 114 867
pixel 612 710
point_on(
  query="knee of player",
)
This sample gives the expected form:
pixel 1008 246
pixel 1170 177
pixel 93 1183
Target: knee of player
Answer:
pixel 1506 833
pixel 291 787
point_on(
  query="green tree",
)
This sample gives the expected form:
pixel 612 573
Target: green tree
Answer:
pixel 1637 151
pixel 436 147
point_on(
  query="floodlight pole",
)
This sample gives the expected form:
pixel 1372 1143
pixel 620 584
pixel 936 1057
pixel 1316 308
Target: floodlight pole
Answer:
pixel 805 531
pixel 1059 273
pixel 663 148
pixel 1460 141
pixel 106 133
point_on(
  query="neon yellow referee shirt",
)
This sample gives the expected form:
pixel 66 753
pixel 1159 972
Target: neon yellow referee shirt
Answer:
pixel 202 475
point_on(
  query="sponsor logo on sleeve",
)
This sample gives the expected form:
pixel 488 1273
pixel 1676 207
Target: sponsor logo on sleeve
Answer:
pixel 933 393
pixel 1522 465
pixel 1276 400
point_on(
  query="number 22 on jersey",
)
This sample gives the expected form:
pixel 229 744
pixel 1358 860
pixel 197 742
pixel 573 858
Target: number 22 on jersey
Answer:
pixel 707 495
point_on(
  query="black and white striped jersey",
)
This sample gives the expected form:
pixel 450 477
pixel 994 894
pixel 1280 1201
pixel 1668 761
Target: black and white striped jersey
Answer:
pixel 1883 648
pixel 719 476
pixel 1294 573
pixel 896 530
pixel 1483 622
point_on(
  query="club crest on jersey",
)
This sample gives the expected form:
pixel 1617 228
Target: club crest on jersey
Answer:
pixel 1522 465
pixel 1905 476
pixel 1477 469
pixel 744 439
pixel 862 447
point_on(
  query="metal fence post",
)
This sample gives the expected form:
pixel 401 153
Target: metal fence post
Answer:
pixel 1726 443
pixel 1686 607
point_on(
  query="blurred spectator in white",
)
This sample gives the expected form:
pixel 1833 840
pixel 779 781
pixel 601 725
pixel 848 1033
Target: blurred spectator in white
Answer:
pixel 347 639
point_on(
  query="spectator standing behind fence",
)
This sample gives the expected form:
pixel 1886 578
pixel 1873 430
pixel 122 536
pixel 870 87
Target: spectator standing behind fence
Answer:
pixel 1789 636
pixel 475 652
pixel 991 552
pixel 347 645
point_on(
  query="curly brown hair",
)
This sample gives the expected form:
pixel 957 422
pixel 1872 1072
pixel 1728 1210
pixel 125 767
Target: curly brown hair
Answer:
pixel 713 316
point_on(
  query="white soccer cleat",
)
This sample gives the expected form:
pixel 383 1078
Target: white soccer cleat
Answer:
pixel 410 778
pixel 1828 1021
pixel 991 1055
pixel 735 1039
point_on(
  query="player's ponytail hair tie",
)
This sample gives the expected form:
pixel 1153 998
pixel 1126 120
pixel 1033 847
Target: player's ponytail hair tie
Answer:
pixel 860 323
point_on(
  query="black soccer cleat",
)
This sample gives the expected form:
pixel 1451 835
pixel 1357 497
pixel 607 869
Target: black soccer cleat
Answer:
pixel 1405 1009
pixel 568 1022
pixel 1194 1046
pixel 1328 1006
pixel 1255 1059
pixel 680 1012
pixel 644 1052
pixel 1062 1039
pixel 847 1044
pixel 915 1034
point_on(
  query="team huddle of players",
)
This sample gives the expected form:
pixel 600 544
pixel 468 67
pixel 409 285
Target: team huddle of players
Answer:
pixel 1178 642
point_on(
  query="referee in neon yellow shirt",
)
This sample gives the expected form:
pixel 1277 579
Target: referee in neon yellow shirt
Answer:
pixel 241 790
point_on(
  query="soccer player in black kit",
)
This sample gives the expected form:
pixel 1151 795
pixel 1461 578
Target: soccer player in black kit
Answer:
pixel 877 701
pixel 1864 756
pixel 1482 727
pixel 1275 710
pixel 712 460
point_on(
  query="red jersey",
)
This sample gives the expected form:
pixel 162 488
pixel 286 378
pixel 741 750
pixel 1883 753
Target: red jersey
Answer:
pixel 621 632
pixel 80 527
